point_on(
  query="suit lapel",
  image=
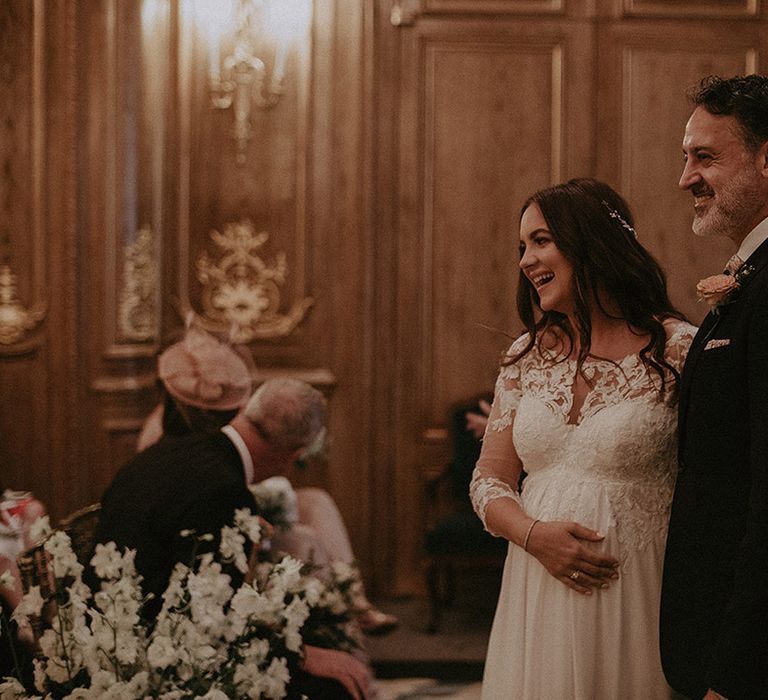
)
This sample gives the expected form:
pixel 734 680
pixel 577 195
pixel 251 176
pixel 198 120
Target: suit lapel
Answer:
pixel 758 260
pixel 694 353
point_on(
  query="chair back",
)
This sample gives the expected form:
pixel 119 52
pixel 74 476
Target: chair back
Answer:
pixel 81 528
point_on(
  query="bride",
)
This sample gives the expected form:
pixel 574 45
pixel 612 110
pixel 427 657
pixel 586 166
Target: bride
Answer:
pixel 585 403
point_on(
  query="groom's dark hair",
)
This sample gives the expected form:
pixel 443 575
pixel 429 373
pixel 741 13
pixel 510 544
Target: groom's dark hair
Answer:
pixel 743 97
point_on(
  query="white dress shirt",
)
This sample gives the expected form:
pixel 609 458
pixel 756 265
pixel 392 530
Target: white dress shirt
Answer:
pixel 242 450
pixel 753 240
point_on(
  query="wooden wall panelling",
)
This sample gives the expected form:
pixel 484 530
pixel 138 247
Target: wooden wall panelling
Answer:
pixel 22 354
pixel 645 69
pixel 490 112
pixel 386 69
pixel 37 382
pixel 691 9
pixel 304 181
pixel 268 189
pixel 125 58
pixel 340 332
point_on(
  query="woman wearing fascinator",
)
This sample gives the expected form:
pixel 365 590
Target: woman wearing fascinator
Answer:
pixel 585 403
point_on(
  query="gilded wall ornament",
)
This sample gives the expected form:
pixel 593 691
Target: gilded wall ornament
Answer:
pixel 138 317
pixel 242 290
pixel 15 320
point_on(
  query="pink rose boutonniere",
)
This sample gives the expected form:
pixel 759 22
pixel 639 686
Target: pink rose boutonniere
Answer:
pixel 719 290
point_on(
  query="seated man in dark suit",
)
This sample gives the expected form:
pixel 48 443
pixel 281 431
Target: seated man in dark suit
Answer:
pixel 196 482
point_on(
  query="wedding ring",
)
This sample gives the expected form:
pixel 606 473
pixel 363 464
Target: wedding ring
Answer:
pixel 575 575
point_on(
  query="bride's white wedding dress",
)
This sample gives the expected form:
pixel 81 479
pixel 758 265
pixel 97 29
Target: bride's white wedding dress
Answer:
pixel 612 470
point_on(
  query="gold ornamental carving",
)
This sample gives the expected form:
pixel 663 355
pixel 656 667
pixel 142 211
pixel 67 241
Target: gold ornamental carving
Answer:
pixel 15 320
pixel 242 290
pixel 138 317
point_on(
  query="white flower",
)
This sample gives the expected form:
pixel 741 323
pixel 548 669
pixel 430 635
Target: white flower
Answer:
pixel 256 652
pixel 250 604
pixel 295 615
pixel 106 561
pixel 287 573
pixel 209 590
pixel 276 501
pixel 39 675
pixel 213 694
pixel 231 548
pixel 11 689
pixel 63 559
pixel 313 590
pixel 248 524
pixel 7 580
pixel 40 529
pixel 162 652
pixel 31 604
pixel 109 563
pixel 250 680
pixel 275 679
pixel 126 646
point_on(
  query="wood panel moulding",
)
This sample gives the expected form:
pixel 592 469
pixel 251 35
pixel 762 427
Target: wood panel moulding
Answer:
pixel 694 9
pixel 406 12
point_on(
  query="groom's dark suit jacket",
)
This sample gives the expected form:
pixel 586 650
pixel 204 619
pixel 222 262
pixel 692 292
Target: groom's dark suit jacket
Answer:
pixel 714 609
pixel 194 482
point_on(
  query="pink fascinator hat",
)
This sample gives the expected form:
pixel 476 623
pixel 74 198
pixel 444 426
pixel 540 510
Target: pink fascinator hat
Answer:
pixel 203 372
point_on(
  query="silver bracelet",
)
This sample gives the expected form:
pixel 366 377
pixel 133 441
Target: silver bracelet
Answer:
pixel 528 534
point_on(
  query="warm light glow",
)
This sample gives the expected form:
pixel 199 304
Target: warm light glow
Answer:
pixel 214 18
pixel 248 44
pixel 152 13
pixel 287 20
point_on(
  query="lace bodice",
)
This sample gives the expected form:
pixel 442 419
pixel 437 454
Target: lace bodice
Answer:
pixel 623 441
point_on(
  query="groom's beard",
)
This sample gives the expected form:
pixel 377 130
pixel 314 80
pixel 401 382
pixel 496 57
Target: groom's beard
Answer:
pixel 731 209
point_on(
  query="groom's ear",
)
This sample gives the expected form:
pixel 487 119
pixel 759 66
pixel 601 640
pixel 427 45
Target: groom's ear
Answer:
pixel 762 159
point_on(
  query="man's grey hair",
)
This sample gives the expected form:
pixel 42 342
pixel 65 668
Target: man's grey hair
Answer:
pixel 287 413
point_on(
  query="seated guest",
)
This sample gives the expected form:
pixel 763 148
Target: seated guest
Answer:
pixel 204 382
pixel 197 481
pixel 18 511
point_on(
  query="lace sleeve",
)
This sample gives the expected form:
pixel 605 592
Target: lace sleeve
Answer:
pixel 679 338
pixel 498 469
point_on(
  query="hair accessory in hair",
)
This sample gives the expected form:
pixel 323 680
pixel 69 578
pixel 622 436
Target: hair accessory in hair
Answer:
pixel 615 215
pixel 202 371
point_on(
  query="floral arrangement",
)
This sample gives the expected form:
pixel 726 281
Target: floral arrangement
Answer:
pixel 209 641
pixel 276 501
pixel 719 290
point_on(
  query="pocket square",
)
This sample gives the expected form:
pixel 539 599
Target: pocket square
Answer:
pixel 717 343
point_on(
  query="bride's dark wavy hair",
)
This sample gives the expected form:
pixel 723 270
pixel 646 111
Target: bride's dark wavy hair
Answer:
pixel 593 227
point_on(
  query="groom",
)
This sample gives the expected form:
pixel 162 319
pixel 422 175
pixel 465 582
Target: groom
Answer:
pixel 714 608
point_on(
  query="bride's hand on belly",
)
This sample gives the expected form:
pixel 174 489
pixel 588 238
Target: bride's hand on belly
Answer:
pixel 561 549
